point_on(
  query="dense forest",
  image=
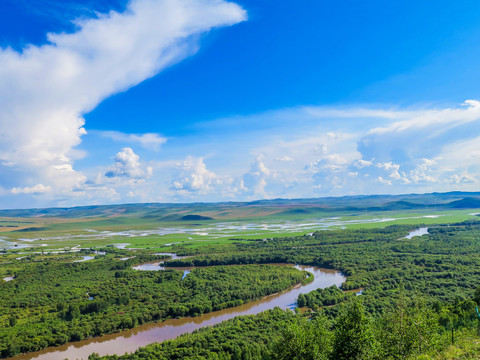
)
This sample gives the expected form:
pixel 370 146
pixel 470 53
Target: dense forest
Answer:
pixel 407 331
pixel 53 302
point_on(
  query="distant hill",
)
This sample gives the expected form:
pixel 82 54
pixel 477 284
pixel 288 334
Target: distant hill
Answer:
pixel 167 212
pixel 466 203
pixel 404 205
pixel 195 217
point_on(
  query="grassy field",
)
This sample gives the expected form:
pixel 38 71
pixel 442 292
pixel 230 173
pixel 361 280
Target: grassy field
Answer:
pixel 161 226
pixel 53 233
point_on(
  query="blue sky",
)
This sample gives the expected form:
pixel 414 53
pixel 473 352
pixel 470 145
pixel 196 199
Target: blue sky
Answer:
pixel 112 101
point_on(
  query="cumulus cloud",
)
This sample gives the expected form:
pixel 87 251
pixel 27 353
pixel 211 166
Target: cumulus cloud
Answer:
pixel 391 168
pixel 127 165
pixel 423 171
pixel 149 141
pixel 423 149
pixel 308 148
pixel 193 178
pixel 329 173
pixel 360 164
pixel 462 179
pixel 253 182
pixel 47 89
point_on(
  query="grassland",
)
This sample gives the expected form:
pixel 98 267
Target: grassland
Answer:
pixel 53 233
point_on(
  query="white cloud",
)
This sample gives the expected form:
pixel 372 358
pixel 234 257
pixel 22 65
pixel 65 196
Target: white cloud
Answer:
pixel 381 180
pixel 462 153
pixel 462 179
pixel 35 190
pixel 253 183
pixel 420 150
pixel 360 164
pixel 395 151
pixel 445 117
pixel 425 150
pixel 149 141
pixel 333 147
pixel 284 158
pixel 401 151
pixel 391 168
pixel 330 173
pixel 420 135
pixel 194 178
pixel 423 171
pixel 46 89
pixel 127 165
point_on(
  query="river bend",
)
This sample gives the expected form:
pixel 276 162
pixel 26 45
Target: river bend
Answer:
pixel 131 340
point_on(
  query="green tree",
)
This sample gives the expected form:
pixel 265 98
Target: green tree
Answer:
pixel 410 329
pixel 304 340
pixel 353 333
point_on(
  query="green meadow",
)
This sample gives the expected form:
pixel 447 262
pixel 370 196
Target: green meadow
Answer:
pixel 46 234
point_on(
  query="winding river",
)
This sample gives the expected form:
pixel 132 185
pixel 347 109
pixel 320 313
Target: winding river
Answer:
pixel 130 340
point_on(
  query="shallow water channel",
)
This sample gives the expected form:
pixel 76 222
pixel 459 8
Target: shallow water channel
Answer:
pixel 130 340
pixel 417 232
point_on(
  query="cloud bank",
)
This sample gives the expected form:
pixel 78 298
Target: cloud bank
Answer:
pixel 346 151
pixel 330 152
pixel 382 151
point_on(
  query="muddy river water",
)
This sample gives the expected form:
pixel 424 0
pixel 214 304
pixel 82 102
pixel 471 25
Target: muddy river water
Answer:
pixel 130 340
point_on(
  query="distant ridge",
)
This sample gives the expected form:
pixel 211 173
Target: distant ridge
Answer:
pixel 466 203
pixel 167 212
